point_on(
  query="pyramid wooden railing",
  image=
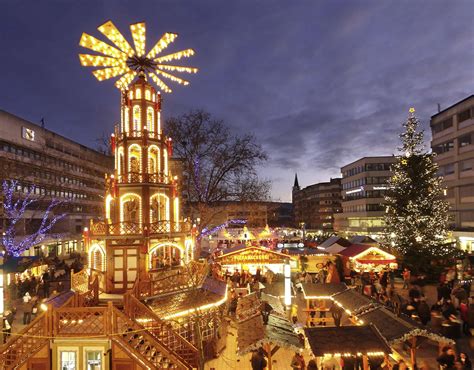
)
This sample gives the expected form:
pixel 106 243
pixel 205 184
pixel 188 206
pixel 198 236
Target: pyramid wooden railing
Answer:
pixel 93 322
pixel 170 280
pixel 160 329
pixel 26 343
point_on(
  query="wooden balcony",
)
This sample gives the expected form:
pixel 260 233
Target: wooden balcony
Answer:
pixel 101 228
pixel 143 178
pixel 137 134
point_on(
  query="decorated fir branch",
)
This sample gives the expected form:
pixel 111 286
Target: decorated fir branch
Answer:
pixel 15 207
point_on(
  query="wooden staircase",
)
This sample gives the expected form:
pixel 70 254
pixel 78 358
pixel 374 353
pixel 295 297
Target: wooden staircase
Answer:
pixel 160 329
pixel 144 347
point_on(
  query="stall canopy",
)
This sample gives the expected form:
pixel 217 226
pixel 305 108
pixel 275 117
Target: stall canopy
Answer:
pixel 396 329
pixel 322 291
pixel 252 333
pixel 334 244
pixel 354 302
pixel 211 293
pixel 277 289
pixel 20 264
pixel 368 254
pixel 251 255
pixel 347 340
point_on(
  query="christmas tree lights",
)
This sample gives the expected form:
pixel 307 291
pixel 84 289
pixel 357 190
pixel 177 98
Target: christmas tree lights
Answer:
pixel 416 212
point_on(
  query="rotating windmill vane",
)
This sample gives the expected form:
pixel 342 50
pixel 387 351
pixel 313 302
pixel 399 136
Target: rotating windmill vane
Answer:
pixel 126 62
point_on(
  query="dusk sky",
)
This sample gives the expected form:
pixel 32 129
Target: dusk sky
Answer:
pixel 319 83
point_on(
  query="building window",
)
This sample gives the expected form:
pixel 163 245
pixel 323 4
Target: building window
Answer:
pixel 465 115
pixel 68 360
pixel 136 118
pixel 464 140
pixel 94 360
pixel 444 147
pixel 149 119
pixel 444 125
pixel 147 94
pixel 138 93
pixel 466 165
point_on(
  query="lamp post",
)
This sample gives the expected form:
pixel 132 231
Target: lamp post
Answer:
pixel 2 298
pixel 287 299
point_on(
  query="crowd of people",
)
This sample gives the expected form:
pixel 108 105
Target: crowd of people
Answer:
pixel 27 291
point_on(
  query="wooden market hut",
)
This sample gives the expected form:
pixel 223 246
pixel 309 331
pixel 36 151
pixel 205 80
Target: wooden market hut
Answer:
pixel 350 343
pixel 401 329
pixel 252 257
pixel 318 299
pixel 366 257
pixel 252 334
pixel 353 302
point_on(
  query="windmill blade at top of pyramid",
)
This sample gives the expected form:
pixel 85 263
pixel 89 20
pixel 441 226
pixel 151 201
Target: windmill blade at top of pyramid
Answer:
pixel 114 35
pixel 139 37
pixel 162 44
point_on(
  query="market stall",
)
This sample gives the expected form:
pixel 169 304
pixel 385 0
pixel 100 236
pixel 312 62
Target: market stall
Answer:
pixel 261 325
pixel 365 257
pixel 251 258
pixel 352 345
pixel 318 299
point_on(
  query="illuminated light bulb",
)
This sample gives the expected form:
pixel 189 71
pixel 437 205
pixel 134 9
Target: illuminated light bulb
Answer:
pixel 175 56
pixel 172 78
pixel 160 83
pixel 138 35
pixel 90 42
pixel 162 44
pixel 124 62
pixel 114 35
pixel 177 68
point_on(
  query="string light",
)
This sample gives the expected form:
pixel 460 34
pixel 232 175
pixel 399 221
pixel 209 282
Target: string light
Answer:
pixel 14 212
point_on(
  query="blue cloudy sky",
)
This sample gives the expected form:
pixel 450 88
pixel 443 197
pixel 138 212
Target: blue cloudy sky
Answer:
pixel 319 83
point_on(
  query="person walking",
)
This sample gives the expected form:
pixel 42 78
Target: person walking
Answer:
pixel 297 363
pixel 27 307
pixel 312 365
pixel 406 278
pixel 258 361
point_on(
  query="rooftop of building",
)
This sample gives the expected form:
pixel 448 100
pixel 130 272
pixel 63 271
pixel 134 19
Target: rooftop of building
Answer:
pixel 453 106
pixel 48 132
pixel 375 159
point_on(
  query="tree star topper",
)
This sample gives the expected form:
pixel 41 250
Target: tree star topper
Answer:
pixel 126 62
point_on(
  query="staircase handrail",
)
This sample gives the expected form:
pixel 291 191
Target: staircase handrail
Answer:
pixel 26 343
pixel 146 334
pixel 160 329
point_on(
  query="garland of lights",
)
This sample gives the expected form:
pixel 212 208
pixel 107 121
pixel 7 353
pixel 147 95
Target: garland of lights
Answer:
pixel 14 212
pixel 206 231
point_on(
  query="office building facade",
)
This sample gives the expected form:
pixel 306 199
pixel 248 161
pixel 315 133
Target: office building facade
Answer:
pixel 315 206
pixel 364 183
pixel 58 168
pixel 453 142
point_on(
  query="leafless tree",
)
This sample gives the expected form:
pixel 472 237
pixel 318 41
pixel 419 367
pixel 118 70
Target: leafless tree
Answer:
pixel 218 165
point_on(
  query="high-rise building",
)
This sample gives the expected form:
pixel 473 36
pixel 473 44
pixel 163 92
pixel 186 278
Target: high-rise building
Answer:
pixel 58 168
pixel 364 183
pixel 315 205
pixel 453 142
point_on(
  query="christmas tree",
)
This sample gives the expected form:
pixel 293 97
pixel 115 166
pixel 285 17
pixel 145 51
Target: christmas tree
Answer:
pixel 416 213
